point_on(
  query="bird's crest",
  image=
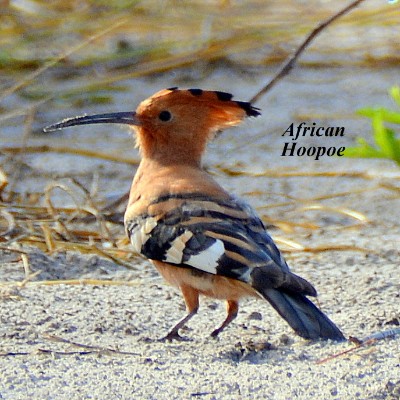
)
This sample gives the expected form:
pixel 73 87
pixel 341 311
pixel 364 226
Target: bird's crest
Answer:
pixel 186 119
pixel 222 110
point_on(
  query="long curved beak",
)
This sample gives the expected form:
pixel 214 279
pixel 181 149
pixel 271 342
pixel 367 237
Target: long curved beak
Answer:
pixel 110 118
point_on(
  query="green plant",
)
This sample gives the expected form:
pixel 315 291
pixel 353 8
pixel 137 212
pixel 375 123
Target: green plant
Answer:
pixel 387 144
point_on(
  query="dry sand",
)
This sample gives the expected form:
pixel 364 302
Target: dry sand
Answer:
pixel 258 357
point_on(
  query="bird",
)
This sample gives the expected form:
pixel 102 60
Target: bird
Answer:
pixel 200 238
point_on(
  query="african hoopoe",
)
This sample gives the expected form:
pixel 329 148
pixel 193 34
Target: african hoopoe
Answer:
pixel 200 238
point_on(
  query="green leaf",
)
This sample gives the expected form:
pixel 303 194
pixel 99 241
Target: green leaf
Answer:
pixel 395 93
pixel 363 150
pixel 390 116
pixel 385 138
pixel 385 114
pixel 393 144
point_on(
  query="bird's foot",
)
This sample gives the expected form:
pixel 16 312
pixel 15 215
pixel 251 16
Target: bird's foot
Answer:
pixel 216 332
pixel 174 335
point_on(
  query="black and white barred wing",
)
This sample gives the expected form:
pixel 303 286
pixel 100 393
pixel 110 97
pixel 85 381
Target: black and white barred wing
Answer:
pixel 222 237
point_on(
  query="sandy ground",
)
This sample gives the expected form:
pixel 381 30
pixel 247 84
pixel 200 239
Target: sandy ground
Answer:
pixel 258 357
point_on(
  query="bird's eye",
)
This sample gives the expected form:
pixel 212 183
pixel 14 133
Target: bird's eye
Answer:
pixel 165 116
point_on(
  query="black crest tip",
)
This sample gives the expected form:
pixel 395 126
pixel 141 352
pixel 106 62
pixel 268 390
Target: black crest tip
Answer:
pixel 250 110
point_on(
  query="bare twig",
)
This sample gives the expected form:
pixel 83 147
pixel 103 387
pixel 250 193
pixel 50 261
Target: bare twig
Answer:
pixel 362 343
pixel 11 249
pixel 289 64
pixel 88 349
pixel 3 180
pixel 52 210
pixel 92 208
pixel 10 221
pixel 121 200
pixel 275 173
pixel 75 282
pixel 65 150
pixel 97 349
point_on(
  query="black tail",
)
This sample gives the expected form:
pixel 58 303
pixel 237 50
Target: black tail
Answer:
pixel 302 315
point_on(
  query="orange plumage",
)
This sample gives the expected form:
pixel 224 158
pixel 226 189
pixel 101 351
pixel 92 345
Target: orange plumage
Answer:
pixel 196 116
pixel 199 237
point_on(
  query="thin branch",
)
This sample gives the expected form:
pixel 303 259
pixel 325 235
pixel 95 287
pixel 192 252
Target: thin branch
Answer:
pixel 87 349
pixel 289 64
pixel 98 349
pixel 366 342
pixel 64 150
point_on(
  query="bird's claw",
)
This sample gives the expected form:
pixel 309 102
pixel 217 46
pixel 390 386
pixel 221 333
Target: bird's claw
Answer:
pixel 174 335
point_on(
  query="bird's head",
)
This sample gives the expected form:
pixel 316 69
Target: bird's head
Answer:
pixel 175 124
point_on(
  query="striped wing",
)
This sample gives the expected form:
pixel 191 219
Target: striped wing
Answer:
pixel 223 237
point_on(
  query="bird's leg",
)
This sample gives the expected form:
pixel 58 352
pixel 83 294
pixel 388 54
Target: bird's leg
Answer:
pixel 232 309
pixel 191 297
pixel 173 334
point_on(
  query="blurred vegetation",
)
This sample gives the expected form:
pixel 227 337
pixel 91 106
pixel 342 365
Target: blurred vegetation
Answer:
pixel 95 43
pixel 387 144
pixel 79 52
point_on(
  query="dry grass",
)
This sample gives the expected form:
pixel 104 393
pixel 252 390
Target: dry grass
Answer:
pixel 63 44
pixel 129 39
pixel 93 227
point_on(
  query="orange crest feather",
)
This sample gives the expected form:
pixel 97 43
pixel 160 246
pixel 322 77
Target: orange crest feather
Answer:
pixel 222 112
pixel 185 120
